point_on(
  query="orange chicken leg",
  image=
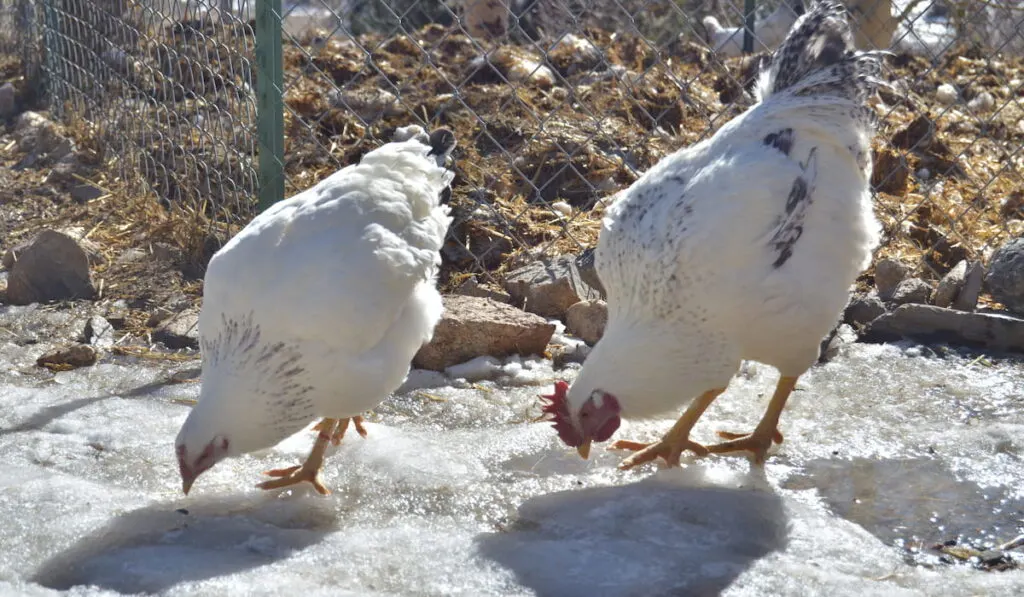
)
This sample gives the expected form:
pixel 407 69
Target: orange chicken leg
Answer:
pixel 329 431
pixel 767 430
pixel 675 441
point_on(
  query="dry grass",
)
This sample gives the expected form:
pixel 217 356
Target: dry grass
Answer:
pixel 576 127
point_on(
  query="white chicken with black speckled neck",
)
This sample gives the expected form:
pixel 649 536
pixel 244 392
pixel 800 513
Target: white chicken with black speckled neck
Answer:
pixel 317 307
pixel 741 247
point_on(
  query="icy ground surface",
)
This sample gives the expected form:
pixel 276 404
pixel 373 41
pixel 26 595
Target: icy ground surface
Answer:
pixel 455 492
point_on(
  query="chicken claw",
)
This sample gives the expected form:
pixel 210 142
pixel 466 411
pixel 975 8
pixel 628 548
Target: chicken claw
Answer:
pixel 758 443
pixel 670 451
pixel 339 433
pixel 293 475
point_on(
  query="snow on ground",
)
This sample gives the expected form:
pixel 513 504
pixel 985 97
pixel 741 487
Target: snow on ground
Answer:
pixel 456 492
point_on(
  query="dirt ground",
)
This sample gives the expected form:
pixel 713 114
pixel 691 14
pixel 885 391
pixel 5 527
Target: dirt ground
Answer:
pixel 574 128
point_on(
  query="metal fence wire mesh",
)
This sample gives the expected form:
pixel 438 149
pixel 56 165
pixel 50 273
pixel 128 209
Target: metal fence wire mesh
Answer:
pixel 557 104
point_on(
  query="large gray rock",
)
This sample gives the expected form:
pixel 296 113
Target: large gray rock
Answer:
pixel 587 319
pixel 888 274
pixel 548 287
pixel 473 326
pixel 1005 278
pixel 926 323
pixel 473 288
pixel 50 267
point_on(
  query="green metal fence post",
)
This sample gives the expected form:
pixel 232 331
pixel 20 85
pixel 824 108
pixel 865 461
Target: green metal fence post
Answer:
pixel 269 102
pixel 748 26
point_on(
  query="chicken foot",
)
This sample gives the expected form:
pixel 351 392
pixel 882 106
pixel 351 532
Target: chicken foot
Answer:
pixel 767 430
pixel 330 431
pixel 671 446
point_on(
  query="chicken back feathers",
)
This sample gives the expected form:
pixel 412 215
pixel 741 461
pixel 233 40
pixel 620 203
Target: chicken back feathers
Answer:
pixel 743 246
pixel 318 306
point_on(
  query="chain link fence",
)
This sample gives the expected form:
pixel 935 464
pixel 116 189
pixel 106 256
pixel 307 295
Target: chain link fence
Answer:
pixel 557 104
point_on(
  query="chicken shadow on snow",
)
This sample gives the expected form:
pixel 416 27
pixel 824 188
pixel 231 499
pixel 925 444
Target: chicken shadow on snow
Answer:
pixel 49 414
pixel 678 532
pixel 153 548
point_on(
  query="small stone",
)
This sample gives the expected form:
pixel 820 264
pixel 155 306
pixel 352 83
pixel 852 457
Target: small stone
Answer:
pixel 833 344
pixel 68 357
pixel 84 193
pixel 950 284
pixel 1005 278
pixel 983 102
pixel 946 94
pixel 911 290
pixel 8 101
pixel 473 288
pixel 50 267
pixel 548 288
pixel 472 326
pixel 181 330
pixel 98 332
pixel 967 300
pixel 888 274
pixel 117 314
pixel 863 309
pixel 587 319
pixel 562 207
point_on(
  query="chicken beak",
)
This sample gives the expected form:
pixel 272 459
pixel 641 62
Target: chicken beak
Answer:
pixel 186 483
pixel 584 449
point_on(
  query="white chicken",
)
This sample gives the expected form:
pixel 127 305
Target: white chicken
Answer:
pixel 768 32
pixel 318 306
pixel 742 247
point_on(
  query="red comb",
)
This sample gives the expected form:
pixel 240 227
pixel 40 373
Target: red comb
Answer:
pixel 556 410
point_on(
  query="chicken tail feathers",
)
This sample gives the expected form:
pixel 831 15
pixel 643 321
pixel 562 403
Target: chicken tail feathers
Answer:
pixel 818 57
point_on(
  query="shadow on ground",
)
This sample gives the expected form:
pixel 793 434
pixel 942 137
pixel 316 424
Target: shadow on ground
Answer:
pixel 676 533
pixel 154 548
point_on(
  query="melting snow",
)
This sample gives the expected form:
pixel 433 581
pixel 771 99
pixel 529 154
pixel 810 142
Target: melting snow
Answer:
pixel 456 492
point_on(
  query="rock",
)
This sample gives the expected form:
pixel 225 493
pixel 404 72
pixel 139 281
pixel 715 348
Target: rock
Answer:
pixel 548 288
pixel 950 285
pixel 1005 277
pixel 946 94
pixel 473 326
pixel 84 193
pixel 586 265
pixel 926 323
pixel 98 332
pixel 68 357
pixel 181 330
pixel 863 309
pixel 983 102
pixel 8 101
pixel 888 274
pixel 833 344
pixel 117 314
pixel 40 137
pixel 911 290
pixel 50 267
pixel 586 320
pixel 473 288
pixel 967 299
